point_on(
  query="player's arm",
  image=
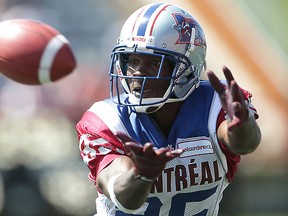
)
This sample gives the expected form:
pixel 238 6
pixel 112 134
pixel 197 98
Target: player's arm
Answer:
pixel 240 132
pixel 118 182
pixel 128 179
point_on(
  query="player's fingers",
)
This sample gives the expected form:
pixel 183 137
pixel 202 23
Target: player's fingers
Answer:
pixel 175 153
pixel 134 148
pixel 127 150
pixel 237 108
pixel 228 75
pixel 161 153
pixel 169 155
pixel 124 137
pixel 148 150
pixel 241 111
pixel 236 93
pixel 215 82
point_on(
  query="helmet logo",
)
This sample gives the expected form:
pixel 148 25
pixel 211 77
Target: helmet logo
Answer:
pixel 184 26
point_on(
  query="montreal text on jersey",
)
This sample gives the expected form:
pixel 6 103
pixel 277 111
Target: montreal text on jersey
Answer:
pixel 186 176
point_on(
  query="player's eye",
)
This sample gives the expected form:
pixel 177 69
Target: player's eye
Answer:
pixel 156 63
pixel 133 62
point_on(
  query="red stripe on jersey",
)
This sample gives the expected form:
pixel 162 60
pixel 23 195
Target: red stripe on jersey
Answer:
pixel 93 129
pixel 94 125
pixel 232 159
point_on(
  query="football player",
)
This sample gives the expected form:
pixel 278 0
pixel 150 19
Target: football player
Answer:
pixel 165 142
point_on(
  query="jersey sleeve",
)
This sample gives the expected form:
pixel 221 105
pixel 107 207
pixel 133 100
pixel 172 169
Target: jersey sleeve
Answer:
pixel 234 159
pixel 97 144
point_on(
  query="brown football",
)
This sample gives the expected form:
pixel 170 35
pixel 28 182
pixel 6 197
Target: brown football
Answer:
pixel 34 53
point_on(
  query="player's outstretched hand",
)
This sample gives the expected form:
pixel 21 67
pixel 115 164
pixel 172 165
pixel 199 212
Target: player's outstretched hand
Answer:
pixel 148 162
pixel 231 98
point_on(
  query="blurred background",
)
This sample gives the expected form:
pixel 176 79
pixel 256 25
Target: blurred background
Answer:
pixel 41 173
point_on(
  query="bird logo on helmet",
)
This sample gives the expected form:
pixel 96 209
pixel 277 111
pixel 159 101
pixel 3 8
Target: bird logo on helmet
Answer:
pixel 184 26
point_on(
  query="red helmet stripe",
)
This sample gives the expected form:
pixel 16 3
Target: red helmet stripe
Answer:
pixel 156 17
pixel 133 28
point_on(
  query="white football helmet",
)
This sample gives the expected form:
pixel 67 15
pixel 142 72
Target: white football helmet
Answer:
pixel 167 31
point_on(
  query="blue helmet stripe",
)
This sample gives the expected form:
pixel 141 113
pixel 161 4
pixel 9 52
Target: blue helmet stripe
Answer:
pixel 142 27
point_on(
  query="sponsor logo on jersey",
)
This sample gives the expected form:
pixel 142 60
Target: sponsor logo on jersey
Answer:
pixel 195 146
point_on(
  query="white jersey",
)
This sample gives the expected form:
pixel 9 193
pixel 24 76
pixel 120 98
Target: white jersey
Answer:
pixel 191 184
